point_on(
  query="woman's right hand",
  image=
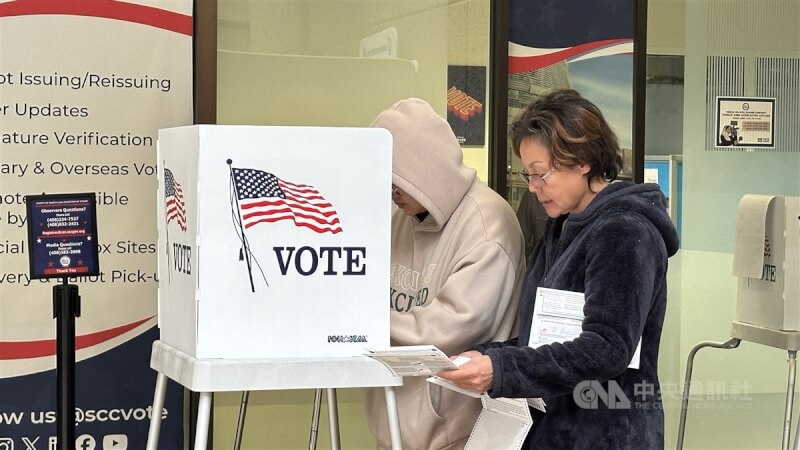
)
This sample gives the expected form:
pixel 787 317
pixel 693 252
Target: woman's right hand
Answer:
pixel 476 374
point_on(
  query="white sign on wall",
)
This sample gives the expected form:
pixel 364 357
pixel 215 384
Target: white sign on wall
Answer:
pixel 745 122
pixel 382 44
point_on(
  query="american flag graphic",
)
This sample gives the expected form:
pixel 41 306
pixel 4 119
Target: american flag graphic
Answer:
pixel 173 196
pixel 263 197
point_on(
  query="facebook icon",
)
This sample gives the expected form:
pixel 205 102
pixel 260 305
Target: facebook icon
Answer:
pixel 85 442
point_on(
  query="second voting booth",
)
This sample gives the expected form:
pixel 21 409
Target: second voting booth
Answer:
pixel 766 264
pixel 274 261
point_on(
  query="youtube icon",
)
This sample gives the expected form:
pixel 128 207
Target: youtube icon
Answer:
pixel 115 442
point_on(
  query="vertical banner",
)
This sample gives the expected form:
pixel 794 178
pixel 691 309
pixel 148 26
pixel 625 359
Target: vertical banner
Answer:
pixel 466 94
pixel 586 45
pixel 84 87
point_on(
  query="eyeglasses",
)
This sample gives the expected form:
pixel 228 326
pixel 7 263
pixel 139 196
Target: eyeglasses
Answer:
pixel 535 178
pixel 395 190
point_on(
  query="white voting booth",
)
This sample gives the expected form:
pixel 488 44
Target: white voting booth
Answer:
pixel 273 259
pixel 766 264
pixel 283 249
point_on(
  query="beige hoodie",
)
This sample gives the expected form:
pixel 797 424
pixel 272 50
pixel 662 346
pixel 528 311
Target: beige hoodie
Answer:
pixel 455 276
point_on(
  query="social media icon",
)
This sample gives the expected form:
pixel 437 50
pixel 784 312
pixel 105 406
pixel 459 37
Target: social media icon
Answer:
pixel 115 442
pixel 6 443
pixel 85 442
pixel 30 444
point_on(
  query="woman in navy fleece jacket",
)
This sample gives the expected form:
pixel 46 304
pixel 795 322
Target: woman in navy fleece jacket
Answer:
pixel 608 240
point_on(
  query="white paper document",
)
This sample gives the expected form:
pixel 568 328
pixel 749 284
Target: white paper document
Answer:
pixel 537 403
pixel 412 360
pixel 558 316
pixel 449 385
pixel 502 424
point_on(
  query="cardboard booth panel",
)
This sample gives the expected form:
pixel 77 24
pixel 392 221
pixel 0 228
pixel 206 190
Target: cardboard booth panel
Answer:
pixel 276 243
pixel 767 262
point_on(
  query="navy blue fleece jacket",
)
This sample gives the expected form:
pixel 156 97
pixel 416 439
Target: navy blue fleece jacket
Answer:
pixel 615 252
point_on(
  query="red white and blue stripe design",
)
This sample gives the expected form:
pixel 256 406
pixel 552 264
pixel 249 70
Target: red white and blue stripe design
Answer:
pixel 543 33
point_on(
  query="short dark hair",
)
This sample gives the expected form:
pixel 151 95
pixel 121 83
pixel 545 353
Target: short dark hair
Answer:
pixel 574 131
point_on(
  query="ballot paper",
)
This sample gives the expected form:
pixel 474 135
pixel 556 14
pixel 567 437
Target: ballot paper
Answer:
pixel 412 360
pixel 503 422
pixel 558 316
pixel 450 385
pixel 458 361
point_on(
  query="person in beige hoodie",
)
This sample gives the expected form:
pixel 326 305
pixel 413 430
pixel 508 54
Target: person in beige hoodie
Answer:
pixel 457 264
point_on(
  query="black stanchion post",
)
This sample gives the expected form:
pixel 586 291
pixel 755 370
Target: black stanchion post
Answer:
pixel 66 307
pixel 62 236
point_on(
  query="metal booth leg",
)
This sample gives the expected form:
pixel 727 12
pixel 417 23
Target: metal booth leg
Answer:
pixel 394 419
pixel 787 417
pixel 158 406
pixel 729 344
pixel 333 419
pixel 203 420
pixel 796 433
pixel 237 441
pixel 312 440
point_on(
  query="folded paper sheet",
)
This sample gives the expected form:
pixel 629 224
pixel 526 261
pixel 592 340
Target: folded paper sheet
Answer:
pixel 748 254
pixel 558 317
pixel 412 360
pixel 502 424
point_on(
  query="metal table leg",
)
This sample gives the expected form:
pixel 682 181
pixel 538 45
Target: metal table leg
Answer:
pixel 394 420
pixel 333 419
pixel 729 344
pixel 787 417
pixel 797 435
pixel 158 406
pixel 312 440
pixel 237 441
pixel 203 419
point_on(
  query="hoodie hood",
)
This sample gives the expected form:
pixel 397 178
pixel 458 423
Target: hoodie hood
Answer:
pixel 427 162
pixel 626 197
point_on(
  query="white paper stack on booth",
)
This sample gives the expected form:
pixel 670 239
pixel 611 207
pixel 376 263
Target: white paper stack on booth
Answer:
pixel 273 241
pixel 767 262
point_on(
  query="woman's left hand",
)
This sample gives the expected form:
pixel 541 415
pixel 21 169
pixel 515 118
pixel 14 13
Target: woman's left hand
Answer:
pixel 475 375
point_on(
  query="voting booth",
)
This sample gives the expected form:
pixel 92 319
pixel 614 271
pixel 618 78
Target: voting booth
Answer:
pixel 767 262
pixel 273 241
